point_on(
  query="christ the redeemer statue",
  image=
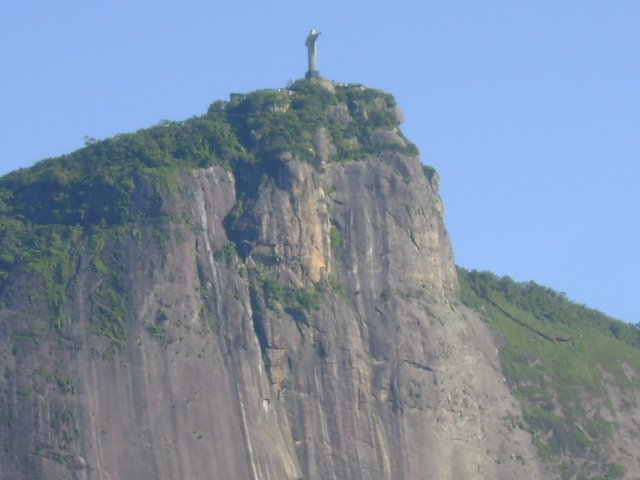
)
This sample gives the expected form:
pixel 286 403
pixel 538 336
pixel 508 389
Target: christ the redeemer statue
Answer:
pixel 311 49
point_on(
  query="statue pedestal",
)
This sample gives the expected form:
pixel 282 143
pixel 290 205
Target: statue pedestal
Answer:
pixel 312 74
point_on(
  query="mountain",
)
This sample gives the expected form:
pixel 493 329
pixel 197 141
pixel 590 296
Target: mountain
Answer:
pixel 268 291
pixel 575 371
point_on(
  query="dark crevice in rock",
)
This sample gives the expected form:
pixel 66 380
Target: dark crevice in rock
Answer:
pixel 257 319
pixel 528 327
pixel 241 224
pixel 419 365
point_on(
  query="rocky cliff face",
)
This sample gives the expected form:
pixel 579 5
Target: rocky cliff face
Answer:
pixel 300 321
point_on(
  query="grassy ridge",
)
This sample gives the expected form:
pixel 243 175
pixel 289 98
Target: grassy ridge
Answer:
pixel 562 360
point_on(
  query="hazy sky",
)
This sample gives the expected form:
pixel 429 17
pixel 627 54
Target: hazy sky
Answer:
pixel 529 110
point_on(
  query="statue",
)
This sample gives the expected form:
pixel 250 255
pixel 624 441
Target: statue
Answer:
pixel 311 49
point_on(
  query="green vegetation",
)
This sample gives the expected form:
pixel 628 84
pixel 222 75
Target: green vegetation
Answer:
pixel 97 184
pixel 335 238
pixel 108 314
pixel 292 300
pixel 228 253
pixel 272 123
pixel 339 288
pixel 108 300
pixel 386 295
pixel 86 204
pixel 561 359
pixel 27 336
pixel 159 333
pixel 65 384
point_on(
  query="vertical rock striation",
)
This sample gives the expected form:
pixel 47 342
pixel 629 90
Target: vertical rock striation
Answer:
pixel 308 326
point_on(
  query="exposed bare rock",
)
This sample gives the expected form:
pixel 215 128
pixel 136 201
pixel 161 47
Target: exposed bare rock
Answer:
pixel 291 312
pixel 389 377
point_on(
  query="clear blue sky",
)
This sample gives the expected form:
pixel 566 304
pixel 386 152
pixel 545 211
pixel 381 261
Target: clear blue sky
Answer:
pixel 530 110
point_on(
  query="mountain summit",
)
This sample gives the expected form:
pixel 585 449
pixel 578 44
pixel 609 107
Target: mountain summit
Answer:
pixel 268 291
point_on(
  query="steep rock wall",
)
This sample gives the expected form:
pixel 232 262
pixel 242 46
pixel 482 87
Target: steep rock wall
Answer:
pixel 275 319
pixel 391 377
pixel 384 375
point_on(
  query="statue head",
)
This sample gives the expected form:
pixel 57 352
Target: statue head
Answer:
pixel 313 35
